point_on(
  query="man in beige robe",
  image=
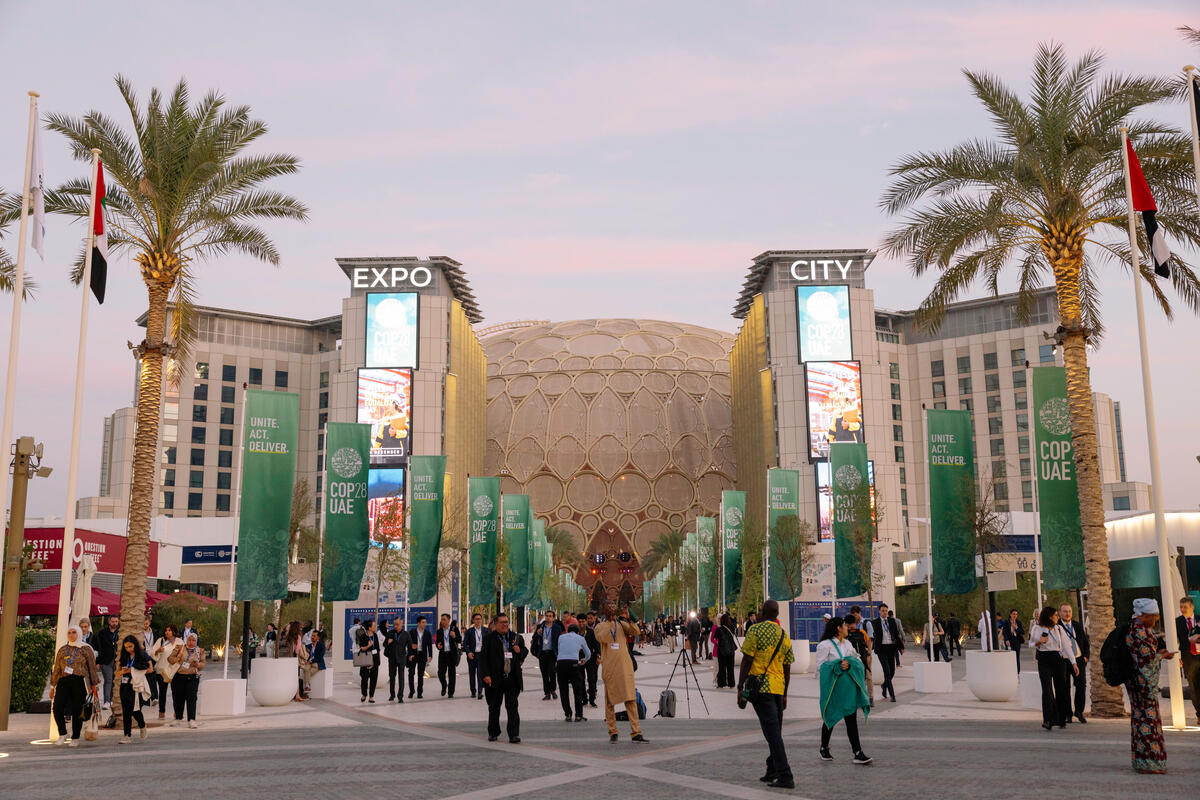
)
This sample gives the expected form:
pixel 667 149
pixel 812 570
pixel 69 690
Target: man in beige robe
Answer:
pixel 616 666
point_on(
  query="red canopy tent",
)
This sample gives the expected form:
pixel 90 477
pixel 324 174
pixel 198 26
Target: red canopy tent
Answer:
pixel 45 602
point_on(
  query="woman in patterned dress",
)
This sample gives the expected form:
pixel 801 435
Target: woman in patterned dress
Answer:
pixel 1149 752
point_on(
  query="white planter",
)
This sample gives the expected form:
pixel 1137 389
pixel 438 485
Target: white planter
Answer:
pixel 322 685
pixel 933 677
pixel 992 677
pixel 273 681
pixel 222 697
pixel 1031 690
pixel 802 654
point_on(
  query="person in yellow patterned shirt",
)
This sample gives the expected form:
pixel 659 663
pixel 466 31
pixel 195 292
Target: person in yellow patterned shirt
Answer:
pixel 763 682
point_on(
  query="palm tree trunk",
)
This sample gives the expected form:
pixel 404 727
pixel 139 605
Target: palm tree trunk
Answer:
pixel 145 459
pixel 1106 700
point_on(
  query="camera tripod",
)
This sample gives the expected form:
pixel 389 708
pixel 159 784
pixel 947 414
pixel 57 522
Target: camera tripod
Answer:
pixel 688 667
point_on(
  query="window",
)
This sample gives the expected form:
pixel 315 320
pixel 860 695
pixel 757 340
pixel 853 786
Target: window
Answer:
pixel 226 416
pixel 226 394
pixel 966 404
pixel 1026 489
pixel 999 469
pixel 938 368
pixel 225 458
pixel 939 388
pixel 898 452
pixel 198 434
pixel 229 373
pixel 1120 502
pixel 1022 444
pixel 1018 356
pixel 168 499
pixel 902 475
pixel 1019 379
pixel 1002 507
pixel 224 480
pixel 200 391
pixel 1021 400
pixel 281 379
pixel 894 370
pixel 320 480
pixel 320 463
pixel 898 433
pixel 995 426
pixel 226 437
pixel 320 441
pixel 897 411
pixel 964 364
pixel 256 376
pixel 169 455
pixel 195 501
pixel 993 404
pixel 199 413
pixel 941 405
pixel 895 391
pixel 168 477
pixel 1000 490
pixel 196 478
pixel 202 370
pixel 991 382
pixel 1025 467
pixel 322 418
pixel 1029 506
pixel 222 502
pixel 904 497
pixel 323 400
pixel 997 447
pixel 324 380
pixel 197 459
pixel 989 361
pixel 1022 422
pixel 964 385
pixel 1046 353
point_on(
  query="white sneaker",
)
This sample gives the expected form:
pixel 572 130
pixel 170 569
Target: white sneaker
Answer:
pixel 192 724
pixel 125 739
pixel 62 740
pixel 107 705
pixel 73 743
pixel 175 723
pixel 144 733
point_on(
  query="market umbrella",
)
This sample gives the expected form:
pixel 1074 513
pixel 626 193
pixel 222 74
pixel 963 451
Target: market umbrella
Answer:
pixel 81 600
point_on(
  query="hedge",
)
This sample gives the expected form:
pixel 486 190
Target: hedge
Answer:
pixel 34 656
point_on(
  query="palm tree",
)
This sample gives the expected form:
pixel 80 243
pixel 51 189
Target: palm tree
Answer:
pixel 564 550
pixel 10 210
pixel 1047 195
pixel 181 190
pixel 664 552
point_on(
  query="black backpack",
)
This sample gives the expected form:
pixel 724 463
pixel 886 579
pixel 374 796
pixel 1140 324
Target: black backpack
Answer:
pixel 1116 658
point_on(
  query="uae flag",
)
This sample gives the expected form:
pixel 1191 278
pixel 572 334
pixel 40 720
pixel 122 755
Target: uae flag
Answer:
pixel 1143 201
pixel 99 239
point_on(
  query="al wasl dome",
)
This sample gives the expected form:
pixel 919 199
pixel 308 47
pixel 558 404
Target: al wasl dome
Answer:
pixel 619 430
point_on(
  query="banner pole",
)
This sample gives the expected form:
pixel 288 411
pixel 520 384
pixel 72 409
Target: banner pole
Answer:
pixel 1037 503
pixel 1190 71
pixel 238 517
pixel 721 528
pixel 928 530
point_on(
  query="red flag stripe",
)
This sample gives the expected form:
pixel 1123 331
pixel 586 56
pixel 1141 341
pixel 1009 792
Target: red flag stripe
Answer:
pixel 1142 199
pixel 98 221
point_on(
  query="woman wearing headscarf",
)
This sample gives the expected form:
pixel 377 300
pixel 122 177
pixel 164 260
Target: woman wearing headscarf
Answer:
pixel 1145 724
pixel 185 687
pixel 166 663
pixel 74 663
pixel 843 688
pixel 132 663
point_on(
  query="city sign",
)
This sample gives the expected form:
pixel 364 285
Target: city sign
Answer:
pixel 390 277
pixel 824 269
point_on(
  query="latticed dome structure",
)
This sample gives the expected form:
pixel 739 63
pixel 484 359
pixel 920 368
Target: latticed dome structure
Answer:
pixel 619 430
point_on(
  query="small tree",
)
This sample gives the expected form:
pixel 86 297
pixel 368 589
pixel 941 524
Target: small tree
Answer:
pixel 792 549
pixel 988 526
pixel 867 513
pixel 390 557
pixel 753 541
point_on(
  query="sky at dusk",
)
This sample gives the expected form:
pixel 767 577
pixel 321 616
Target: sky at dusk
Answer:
pixel 579 159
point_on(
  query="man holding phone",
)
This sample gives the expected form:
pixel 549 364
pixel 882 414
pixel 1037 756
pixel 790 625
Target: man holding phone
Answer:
pixel 616 667
pixel 1187 626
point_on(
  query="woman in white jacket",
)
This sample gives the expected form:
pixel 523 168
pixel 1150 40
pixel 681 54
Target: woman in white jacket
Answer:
pixel 1055 659
pixel 834 646
pixel 164 668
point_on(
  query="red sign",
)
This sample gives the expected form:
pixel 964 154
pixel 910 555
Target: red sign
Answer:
pixel 107 549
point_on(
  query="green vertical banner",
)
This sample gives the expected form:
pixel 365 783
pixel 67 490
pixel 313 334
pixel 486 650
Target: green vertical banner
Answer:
pixel 784 570
pixel 268 478
pixel 706 533
pixel 537 562
pixel 428 478
pixel 484 497
pixel 1057 491
pixel 733 520
pixel 347 536
pixel 952 500
pixel 853 531
pixel 516 541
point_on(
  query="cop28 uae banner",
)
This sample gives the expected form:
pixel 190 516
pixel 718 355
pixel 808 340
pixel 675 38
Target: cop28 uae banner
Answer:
pixel 347 536
pixel 428 476
pixel 268 478
pixel 1058 492
pixel 853 528
pixel 733 519
pixel 483 494
pixel 706 535
pixel 952 500
pixel 515 530
pixel 784 570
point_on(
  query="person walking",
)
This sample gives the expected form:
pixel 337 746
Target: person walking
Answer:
pixel 544 644
pixel 860 638
pixel 449 644
pixel 706 629
pixel 616 667
pixel 500 662
pixel 1012 632
pixel 148 642
pixel 726 649
pixel 953 637
pixel 887 637
pixel 592 668
pixel 472 645
pixel 368 643
pixel 185 687
pixel 87 635
pixel 936 641
pixel 763 681
pixel 1187 627
pixel 1082 647
pixel 694 632
pixel 1055 661
pixel 1145 723
pixel 105 643
pixel 166 664
pixel 573 653
pixel 396 647
pixel 134 691
pixel 74 667
pixel 843 689
pixel 420 652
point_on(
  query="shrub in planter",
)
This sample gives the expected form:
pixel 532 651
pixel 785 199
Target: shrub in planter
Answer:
pixel 34 656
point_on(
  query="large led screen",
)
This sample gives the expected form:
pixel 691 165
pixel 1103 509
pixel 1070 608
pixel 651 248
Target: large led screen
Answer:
pixel 392 329
pixel 385 490
pixel 823 323
pixel 825 498
pixel 385 403
pixel 835 410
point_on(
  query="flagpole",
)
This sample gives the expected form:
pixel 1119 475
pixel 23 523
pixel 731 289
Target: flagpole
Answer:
pixel 1037 507
pixel 721 528
pixel 236 531
pixel 1175 682
pixel 1190 71
pixel 766 565
pixel 18 291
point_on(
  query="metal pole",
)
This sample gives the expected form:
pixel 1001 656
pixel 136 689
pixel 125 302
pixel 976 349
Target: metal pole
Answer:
pixel 1190 71
pixel 928 531
pixel 246 639
pixel 1037 508
pixel 12 572
pixel 1175 681
pixel 766 562
pixel 233 550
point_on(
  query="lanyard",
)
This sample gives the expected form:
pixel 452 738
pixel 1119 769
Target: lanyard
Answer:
pixel 835 647
pixel 71 651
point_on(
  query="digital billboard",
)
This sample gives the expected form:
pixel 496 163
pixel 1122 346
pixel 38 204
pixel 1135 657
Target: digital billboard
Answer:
pixel 385 403
pixel 392 329
pixel 835 408
pixel 385 488
pixel 823 323
pixel 825 498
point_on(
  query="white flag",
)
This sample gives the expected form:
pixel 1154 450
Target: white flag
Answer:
pixel 37 185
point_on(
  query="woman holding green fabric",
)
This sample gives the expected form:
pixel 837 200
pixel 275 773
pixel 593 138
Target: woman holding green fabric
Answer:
pixel 843 688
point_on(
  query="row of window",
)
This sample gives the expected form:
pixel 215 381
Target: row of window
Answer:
pixel 254 378
pixel 196 458
pixel 195 501
pixel 990 361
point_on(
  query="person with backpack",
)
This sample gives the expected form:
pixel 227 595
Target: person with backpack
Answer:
pixel 1145 723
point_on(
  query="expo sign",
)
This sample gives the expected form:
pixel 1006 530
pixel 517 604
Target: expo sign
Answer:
pixel 390 277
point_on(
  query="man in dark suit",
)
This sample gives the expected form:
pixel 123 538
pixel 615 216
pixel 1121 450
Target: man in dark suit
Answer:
pixel 954 634
pixel 1083 651
pixel 420 651
pixel 395 647
pixel 592 667
pixel 500 668
pixel 448 644
pixel 544 646
pixel 1187 625
pixel 472 644
pixel 885 634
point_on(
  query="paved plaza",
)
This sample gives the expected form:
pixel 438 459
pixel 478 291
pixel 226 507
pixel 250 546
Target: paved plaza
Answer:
pixel 924 746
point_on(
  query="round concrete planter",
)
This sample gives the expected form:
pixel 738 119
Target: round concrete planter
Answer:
pixel 273 681
pixel 803 655
pixel 992 677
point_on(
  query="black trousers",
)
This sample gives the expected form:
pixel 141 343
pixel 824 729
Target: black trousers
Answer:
pixel 473 676
pixel 1191 671
pixel 1056 698
pixel 592 668
pixel 395 668
pixel 184 689
pixel 725 671
pixel 955 644
pixel 446 673
pixel 570 676
pixel 887 660
pixel 131 708
pixel 416 667
pixel 504 692
pixel 547 661
pixel 1017 650
pixel 1081 687
pixel 69 694
pixel 769 708
pixel 368 678
pixel 162 693
pixel 851 721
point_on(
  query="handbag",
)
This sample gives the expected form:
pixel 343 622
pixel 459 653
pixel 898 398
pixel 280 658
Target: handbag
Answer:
pixel 756 684
pixel 89 708
pixel 364 659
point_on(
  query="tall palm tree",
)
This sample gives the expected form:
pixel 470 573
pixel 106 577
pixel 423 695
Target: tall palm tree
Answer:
pixel 664 553
pixel 1046 195
pixel 181 190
